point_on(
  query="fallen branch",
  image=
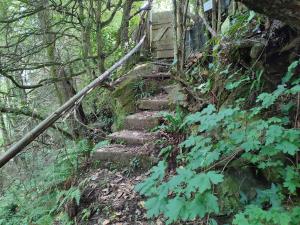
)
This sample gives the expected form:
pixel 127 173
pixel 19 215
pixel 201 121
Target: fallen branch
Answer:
pixel 50 120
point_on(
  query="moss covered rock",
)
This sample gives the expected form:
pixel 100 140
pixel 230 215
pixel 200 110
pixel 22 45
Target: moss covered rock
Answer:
pixel 239 187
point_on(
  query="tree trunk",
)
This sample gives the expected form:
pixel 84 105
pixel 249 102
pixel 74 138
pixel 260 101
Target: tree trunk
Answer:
pixel 86 36
pixel 100 53
pixel 125 23
pixel 64 89
pixel 175 31
pixel 3 129
pixel 214 15
pixel 220 5
pixel 288 11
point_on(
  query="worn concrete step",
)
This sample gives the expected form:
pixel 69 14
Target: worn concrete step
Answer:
pixel 156 103
pixel 132 137
pixel 156 75
pixel 143 120
pixel 123 155
pixel 169 89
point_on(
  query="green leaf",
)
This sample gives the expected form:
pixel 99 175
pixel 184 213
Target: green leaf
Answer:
pixel 269 99
pixel 204 182
pixel 174 208
pixel 290 72
pixel 196 207
pixel 211 203
pixel 251 16
pixel 292 179
pixel 215 177
pixel 273 133
pixel 240 219
pixel 295 90
pixel 225 26
pixel 287 147
pixel 154 207
pixel 232 85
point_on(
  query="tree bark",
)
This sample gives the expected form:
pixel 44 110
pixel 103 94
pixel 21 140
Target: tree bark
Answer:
pixel 288 11
pixel 124 35
pixel 214 15
pixel 99 36
pixel 3 129
pixel 175 31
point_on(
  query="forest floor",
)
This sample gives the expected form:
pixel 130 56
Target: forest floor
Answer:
pixel 109 198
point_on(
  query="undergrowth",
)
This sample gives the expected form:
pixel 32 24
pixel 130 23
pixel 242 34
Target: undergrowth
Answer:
pixel 41 199
pixel 217 139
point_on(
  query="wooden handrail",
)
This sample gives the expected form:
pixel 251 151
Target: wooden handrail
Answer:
pixel 52 118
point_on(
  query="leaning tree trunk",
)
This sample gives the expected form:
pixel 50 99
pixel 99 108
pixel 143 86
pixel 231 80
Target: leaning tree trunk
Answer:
pixel 288 11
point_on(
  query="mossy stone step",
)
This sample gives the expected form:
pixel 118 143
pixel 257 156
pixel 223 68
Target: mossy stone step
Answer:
pixel 132 137
pixel 123 155
pixel 145 120
pixel 156 75
pixel 156 103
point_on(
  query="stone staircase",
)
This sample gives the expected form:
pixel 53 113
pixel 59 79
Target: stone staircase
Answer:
pixel 136 141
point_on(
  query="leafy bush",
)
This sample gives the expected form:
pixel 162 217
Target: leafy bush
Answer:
pixel 222 136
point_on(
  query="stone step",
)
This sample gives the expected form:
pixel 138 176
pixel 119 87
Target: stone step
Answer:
pixel 169 89
pixel 156 103
pixel 123 155
pixel 145 120
pixel 132 137
pixel 156 75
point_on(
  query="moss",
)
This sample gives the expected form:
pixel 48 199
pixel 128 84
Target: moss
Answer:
pixel 229 196
pixel 125 94
pixel 119 116
pixel 239 187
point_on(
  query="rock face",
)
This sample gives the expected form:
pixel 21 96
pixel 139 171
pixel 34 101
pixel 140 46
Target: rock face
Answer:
pixel 288 11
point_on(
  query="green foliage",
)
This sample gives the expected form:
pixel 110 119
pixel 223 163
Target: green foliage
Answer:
pixel 255 213
pixel 173 122
pixel 235 26
pixel 140 89
pixel 38 200
pixel 221 135
pixel 101 144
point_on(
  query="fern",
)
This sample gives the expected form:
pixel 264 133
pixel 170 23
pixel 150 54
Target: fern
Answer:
pixel 42 192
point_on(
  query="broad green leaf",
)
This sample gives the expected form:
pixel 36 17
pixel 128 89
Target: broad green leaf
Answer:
pixel 290 72
pixel 211 203
pixel 215 177
pixel 154 207
pixel 173 208
pixel 287 147
pixel 273 133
